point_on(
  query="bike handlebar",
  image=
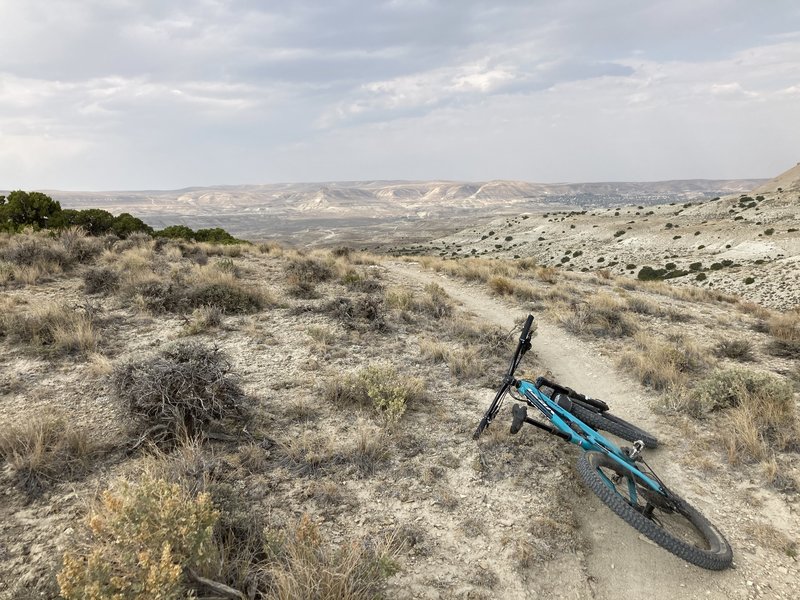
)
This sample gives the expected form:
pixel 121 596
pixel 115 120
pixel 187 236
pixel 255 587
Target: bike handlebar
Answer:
pixel 522 347
pixel 526 329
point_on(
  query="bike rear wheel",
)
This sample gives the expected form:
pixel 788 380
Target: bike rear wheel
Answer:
pixel 669 521
pixel 605 421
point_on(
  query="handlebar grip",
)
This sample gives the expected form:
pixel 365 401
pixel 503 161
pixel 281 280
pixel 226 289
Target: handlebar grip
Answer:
pixel 526 329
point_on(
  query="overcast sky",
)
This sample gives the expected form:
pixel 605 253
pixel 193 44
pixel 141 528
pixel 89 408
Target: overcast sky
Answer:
pixel 145 94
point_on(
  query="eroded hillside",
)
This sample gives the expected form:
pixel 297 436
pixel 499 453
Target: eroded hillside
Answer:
pixel 744 244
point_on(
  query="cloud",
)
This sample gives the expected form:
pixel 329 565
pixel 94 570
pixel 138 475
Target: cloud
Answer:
pixel 158 93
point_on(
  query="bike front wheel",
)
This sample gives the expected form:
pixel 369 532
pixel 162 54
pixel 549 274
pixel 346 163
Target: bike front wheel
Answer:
pixel 667 519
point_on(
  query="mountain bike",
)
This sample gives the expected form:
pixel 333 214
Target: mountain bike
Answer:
pixel 619 476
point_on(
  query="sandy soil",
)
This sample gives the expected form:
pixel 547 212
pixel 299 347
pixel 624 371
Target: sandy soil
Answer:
pixel 504 518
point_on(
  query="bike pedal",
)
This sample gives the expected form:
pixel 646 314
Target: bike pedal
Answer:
pixel 520 413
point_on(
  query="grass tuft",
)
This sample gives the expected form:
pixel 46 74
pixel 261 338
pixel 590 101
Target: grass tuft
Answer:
pixel 46 450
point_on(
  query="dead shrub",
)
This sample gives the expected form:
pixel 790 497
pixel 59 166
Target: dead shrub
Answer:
pixel 309 269
pixel 46 450
pixel 100 280
pixel 358 313
pixel 178 394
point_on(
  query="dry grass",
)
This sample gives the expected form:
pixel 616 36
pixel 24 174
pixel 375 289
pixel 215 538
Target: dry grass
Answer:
pixel 45 450
pixel 767 535
pixel 51 328
pixel 324 336
pixel 370 449
pixel 308 451
pixel 400 299
pixel 785 332
pixel 664 365
pixel 758 409
pixel 304 566
pixel 602 315
pixel 435 302
pixel 502 286
pixel 204 319
pixel 433 352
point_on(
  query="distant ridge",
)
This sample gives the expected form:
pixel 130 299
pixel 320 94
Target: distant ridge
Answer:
pixel 786 181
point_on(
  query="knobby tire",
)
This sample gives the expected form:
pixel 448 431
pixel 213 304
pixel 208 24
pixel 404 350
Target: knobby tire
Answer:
pixel 716 553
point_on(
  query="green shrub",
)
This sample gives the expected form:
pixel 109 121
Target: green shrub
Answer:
pixel 741 350
pixel 230 299
pixel 380 387
pixel 648 273
pixel 732 388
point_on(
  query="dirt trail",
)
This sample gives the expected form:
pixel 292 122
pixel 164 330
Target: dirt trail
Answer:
pixel 620 563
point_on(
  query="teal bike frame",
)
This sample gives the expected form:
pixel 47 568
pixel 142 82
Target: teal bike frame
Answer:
pixel 587 437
